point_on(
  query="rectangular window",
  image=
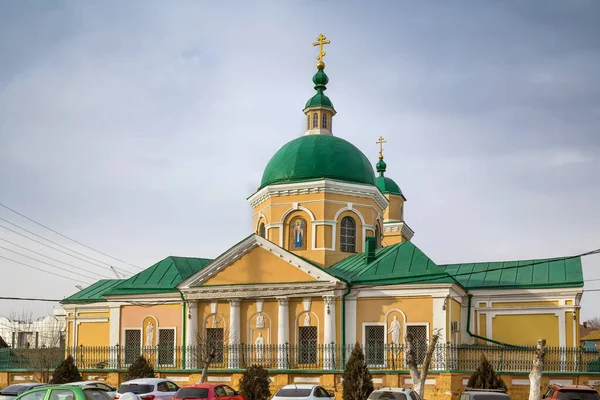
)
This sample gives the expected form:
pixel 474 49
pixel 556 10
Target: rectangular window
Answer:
pixel 166 346
pixel 214 343
pixel 133 344
pixel 375 344
pixel 307 341
pixel 419 334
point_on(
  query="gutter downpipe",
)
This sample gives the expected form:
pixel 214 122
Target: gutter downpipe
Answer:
pixel 344 325
pixel 481 337
pixel 184 336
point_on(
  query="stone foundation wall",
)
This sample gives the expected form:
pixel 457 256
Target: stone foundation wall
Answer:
pixel 439 386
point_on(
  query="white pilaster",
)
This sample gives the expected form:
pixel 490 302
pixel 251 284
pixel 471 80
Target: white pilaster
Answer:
pixel 191 335
pixel 114 321
pixel 329 332
pixel 283 332
pixel 350 322
pixel 440 309
pixel 234 333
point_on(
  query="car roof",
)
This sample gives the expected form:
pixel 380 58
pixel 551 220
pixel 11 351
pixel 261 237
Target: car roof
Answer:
pixel 145 381
pixel 503 394
pixel 392 389
pixel 202 385
pixel 571 387
pixel 300 386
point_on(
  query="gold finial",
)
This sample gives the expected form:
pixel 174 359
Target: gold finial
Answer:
pixel 321 40
pixel 381 141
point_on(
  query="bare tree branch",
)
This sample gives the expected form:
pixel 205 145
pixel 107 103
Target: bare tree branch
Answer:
pixel 535 376
pixel 411 360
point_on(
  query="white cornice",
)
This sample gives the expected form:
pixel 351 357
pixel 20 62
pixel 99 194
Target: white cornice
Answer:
pixel 400 226
pixel 264 290
pixel 244 247
pixel 321 186
pixel 480 294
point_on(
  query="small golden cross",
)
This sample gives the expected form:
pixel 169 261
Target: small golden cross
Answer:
pixel 381 142
pixel 321 40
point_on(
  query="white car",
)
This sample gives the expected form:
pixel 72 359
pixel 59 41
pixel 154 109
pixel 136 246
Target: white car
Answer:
pixel 311 392
pixel 147 389
pixel 393 393
pixel 111 391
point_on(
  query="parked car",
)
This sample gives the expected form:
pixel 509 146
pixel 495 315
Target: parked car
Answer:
pixel 393 393
pixel 148 389
pixel 111 391
pixel 571 392
pixel 12 391
pixel 208 391
pixel 484 394
pixel 64 392
pixel 291 392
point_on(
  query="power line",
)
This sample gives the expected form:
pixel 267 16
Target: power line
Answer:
pixel 43 270
pixel 53 248
pixel 28 299
pixel 43 262
pixel 66 237
pixel 54 259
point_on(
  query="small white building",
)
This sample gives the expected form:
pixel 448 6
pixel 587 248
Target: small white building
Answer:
pixel 25 332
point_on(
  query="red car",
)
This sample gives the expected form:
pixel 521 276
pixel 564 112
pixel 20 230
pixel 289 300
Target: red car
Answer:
pixel 209 391
pixel 571 392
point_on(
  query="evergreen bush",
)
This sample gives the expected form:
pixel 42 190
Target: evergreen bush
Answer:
pixel 485 377
pixel 254 384
pixel 140 368
pixel 66 372
pixel 357 384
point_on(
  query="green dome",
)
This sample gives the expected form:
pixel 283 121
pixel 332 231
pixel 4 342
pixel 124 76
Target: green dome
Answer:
pixel 320 79
pixel 313 157
pixel 387 185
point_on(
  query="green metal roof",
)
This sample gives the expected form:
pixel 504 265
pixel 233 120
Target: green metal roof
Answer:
pixel 400 263
pixel 543 273
pixel 387 185
pixel 162 277
pixel 92 293
pixel 312 157
pixel 320 79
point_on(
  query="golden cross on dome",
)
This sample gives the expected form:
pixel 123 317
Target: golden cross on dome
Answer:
pixel 380 142
pixel 321 40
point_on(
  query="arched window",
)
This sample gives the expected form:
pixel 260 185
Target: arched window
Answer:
pixel 348 235
pixel 307 121
pixel 315 120
pixel 298 234
pixel 324 121
pixel 261 230
pixel 377 237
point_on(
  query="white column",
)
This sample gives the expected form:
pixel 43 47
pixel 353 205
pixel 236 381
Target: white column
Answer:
pixel 441 305
pixel 234 333
pixel 350 326
pixel 114 321
pixel 283 332
pixel 329 334
pixel 191 335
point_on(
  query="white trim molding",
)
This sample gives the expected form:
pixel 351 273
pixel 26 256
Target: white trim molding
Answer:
pixel 321 186
pixel 401 227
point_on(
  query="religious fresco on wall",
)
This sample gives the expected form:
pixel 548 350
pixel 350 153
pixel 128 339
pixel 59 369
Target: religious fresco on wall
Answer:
pixel 298 234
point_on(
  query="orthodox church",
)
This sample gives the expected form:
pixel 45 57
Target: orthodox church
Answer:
pixel 328 263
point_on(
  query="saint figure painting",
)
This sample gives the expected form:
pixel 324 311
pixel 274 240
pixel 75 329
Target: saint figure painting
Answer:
pixel 297 234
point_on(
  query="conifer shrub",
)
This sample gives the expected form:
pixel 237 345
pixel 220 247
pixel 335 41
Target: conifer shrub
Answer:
pixel 357 384
pixel 66 372
pixel 485 377
pixel 140 368
pixel 254 384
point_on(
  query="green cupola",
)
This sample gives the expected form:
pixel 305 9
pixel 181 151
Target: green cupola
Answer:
pixel 386 185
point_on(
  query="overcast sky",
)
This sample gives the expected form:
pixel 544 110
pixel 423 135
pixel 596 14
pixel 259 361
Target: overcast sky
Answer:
pixel 140 128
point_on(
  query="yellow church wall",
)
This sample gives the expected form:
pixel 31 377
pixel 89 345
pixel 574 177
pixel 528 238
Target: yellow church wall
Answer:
pixel 569 329
pixel 394 209
pixel 258 266
pixel 205 317
pixel 273 235
pixel 93 314
pixel 456 316
pixel 390 238
pixel 167 315
pixel 297 315
pixel 373 310
pixel 69 333
pixel 93 334
pixel 531 328
pixel 482 331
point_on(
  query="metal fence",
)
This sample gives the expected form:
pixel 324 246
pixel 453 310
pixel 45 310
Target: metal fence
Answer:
pixel 446 357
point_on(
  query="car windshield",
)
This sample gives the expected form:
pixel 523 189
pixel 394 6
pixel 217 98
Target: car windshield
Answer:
pixel 14 389
pixel 192 393
pixel 577 394
pixel 135 389
pixel 487 396
pixel 293 392
pixel 95 394
pixel 387 396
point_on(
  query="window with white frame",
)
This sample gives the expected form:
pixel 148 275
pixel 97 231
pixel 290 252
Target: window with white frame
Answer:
pixel 324 121
pixel 133 344
pixel 315 123
pixel 375 344
pixel 348 235
pixel 166 346
pixel 419 334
